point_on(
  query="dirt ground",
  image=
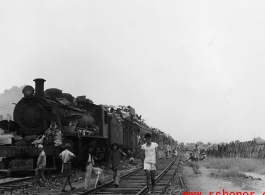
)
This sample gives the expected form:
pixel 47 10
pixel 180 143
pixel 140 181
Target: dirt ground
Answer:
pixel 78 185
pixel 259 185
pixel 204 183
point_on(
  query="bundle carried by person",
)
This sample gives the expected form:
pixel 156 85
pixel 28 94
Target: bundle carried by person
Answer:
pixel 53 135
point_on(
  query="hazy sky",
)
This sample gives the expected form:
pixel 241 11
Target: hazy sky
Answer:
pixel 193 69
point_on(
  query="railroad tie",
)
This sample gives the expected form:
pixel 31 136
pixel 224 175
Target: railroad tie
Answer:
pixel 16 187
pixel 27 184
pixel 8 190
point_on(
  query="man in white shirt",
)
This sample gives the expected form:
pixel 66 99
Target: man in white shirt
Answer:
pixel 41 164
pixel 149 160
pixel 66 157
pixel 174 152
pixel 168 148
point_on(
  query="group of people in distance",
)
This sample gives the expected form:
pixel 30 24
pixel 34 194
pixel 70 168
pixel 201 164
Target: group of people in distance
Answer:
pixel 149 152
pixel 195 156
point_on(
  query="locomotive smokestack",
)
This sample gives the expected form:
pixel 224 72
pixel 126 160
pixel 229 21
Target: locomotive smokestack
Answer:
pixel 39 87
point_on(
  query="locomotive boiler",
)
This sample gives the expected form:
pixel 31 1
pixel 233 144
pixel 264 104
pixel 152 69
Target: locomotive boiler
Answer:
pixel 35 111
pixel 81 121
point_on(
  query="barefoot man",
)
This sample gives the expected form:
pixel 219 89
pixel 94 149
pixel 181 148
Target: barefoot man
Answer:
pixel 149 161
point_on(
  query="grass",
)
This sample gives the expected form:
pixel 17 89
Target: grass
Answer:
pixel 240 164
pixel 232 169
pixel 234 176
pixel 227 174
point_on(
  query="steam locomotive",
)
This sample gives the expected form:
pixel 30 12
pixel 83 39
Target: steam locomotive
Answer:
pixel 82 123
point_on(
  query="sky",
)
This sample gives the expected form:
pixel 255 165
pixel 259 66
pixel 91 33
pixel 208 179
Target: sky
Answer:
pixel 193 69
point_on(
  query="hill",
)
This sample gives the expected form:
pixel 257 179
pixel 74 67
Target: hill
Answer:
pixel 10 96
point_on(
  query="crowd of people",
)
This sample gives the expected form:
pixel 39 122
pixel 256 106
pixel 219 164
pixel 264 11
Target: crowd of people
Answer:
pixel 149 157
pixel 195 155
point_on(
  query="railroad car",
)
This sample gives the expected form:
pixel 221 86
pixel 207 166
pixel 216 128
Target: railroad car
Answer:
pixel 127 131
pixel 155 135
pixel 81 122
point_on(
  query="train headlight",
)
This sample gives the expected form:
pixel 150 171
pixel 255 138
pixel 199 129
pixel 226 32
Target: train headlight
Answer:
pixel 28 91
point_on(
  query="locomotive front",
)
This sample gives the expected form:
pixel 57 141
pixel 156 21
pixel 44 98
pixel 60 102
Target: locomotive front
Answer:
pixel 35 111
pixel 32 110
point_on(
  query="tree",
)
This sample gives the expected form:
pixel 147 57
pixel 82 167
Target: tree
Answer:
pixel 199 143
pixel 10 96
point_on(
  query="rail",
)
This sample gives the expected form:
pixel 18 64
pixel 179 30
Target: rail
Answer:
pixel 97 189
pixel 145 189
pixel 107 189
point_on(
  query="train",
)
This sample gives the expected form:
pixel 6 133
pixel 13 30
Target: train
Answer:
pixel 82 124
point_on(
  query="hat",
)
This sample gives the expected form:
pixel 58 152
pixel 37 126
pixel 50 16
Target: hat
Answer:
pixel 40 146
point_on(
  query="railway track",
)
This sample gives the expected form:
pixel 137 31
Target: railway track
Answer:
pixel 25 185
pixel 134 182
pixel 130 183
pixel 16 184
pixel 15 180
pixel 21 185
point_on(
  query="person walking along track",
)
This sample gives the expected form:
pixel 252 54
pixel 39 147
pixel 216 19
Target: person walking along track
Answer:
pixel 149 161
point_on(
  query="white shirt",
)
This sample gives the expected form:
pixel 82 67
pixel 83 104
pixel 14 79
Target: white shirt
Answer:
pixel 6 139
pixel 66 156
pixel 168 147
pixel 150 152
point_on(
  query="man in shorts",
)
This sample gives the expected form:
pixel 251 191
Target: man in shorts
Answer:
pixel 41 164
pixel 149 161
pixel 67 157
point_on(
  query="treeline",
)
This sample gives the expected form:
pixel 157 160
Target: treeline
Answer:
pixel 8 97
pixel 218 146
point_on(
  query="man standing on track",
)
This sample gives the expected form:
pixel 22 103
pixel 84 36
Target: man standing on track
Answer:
pixel 167 150
pixel 149 161
pixel 41 164
pixel 115 162
pixel 66 157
